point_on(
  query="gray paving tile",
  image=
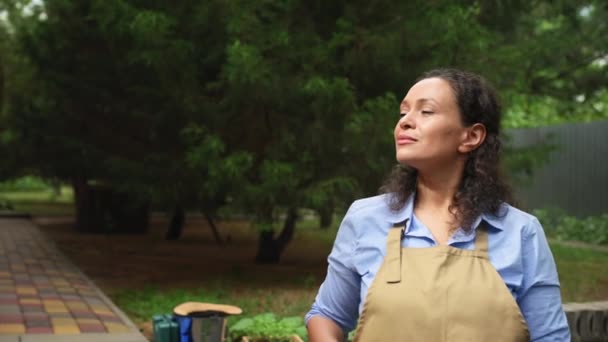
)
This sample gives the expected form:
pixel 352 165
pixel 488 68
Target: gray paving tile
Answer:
pixel 9 308
pixel 37 323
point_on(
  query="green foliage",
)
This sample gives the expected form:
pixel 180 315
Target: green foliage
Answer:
pixel 108 104
pixel 245 65
pixel 25 184
pixel 322 194
pixel 268 328
pixel 542 110
pixel 270 105
pixel 592 229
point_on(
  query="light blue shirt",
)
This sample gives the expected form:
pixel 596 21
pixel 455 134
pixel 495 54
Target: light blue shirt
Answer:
pixel 518 250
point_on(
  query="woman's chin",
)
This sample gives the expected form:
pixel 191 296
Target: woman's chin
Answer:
pixel 411 162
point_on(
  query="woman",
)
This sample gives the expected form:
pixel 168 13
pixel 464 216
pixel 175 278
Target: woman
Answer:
pixel 441 256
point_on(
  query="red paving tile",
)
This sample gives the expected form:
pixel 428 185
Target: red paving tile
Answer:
pixel 8 301
pixel 39 330
pixel 11 318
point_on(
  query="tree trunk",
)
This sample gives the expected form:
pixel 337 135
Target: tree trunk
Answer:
pixel 326 216
pixel 269 248
pixel 101 210
pixel 81 201
pixel 176 225
pixel 214 230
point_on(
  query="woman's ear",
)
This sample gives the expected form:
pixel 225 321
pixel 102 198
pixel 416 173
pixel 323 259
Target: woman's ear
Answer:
pixel 472 138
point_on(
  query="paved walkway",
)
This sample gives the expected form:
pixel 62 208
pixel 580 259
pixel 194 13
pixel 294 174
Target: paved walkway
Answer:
pixel 44 297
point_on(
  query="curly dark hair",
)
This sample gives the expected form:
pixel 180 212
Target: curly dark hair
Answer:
pixel 483 188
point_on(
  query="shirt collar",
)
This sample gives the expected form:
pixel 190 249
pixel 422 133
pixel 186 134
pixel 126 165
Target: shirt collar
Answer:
pixel 404 215
pixel 493 221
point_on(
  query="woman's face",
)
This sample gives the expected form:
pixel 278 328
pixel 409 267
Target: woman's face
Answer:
pixel 430 131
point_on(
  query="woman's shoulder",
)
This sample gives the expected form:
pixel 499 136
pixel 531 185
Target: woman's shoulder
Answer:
pixel 375 213
pixel 375 205
pixel 510 218
pixel 369 219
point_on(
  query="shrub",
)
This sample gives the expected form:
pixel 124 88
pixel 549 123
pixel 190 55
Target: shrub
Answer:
pixel 268 328
pixel 592 229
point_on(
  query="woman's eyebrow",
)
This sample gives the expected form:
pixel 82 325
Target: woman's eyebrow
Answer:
pixel 428 100
pixel 422 100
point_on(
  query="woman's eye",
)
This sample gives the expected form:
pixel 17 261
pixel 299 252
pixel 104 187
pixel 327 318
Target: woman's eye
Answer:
pixel 427 112
pixel 402 114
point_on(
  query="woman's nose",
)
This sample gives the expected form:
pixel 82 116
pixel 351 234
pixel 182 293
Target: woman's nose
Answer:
pixel 406 121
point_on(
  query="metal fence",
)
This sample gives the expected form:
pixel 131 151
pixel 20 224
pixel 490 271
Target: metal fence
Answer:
pixel 575 178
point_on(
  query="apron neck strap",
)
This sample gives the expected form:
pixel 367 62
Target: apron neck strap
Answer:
pixel 393 252
pixel 481 238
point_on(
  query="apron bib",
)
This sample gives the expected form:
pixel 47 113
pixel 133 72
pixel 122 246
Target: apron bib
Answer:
pixel 439 294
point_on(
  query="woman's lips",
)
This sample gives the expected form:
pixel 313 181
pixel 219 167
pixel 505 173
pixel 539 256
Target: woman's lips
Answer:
pixel 405 140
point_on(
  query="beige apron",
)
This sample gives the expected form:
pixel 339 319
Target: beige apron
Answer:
pixel 439 293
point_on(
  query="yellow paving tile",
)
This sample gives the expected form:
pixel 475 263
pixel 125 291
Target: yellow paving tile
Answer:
pixel 66 329
pixel 4 274
pixel 116 327
pixel 62 321
pixel 76 305
pixel 102 311
pixel 56 309
pixel 87 321
pixel 26 290
pixel 29 301
pixel 12 328
pixel 52 302
pixel 7 288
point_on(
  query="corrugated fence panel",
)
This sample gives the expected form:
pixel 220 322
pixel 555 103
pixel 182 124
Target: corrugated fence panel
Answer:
pixel 575 178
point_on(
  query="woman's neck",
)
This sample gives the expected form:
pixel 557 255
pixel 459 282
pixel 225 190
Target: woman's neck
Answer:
pixel 434 195
pixel 436 190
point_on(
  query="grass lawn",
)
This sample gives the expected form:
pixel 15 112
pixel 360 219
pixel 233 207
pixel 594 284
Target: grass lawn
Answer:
pixel 583 272
pixel 145 274
pixel 41 202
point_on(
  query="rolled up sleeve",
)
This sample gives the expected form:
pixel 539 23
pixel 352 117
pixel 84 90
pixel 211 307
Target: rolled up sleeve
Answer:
pixel 539 297
pixel 338 296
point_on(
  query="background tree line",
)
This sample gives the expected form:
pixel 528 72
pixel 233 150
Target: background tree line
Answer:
pixel 266 106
